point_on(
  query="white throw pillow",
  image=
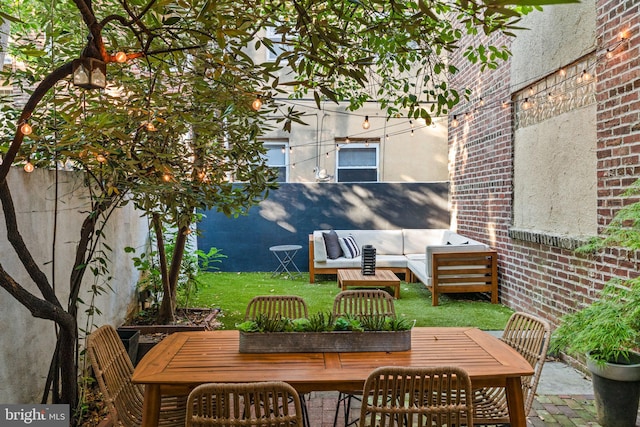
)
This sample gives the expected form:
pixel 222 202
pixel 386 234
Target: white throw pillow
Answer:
pixel 349 246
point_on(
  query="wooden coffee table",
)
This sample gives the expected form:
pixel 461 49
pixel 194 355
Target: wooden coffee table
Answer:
pixel 382 279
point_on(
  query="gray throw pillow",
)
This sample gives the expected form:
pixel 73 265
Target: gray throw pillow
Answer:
pixel 332 244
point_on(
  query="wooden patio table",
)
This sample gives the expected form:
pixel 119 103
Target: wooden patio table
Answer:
pixel 185 359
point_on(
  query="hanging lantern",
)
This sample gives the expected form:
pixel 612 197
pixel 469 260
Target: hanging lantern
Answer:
pixel 89 73
pixel 368 257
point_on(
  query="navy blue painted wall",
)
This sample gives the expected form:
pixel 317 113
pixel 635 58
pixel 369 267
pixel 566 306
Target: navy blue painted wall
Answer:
pixel 294 210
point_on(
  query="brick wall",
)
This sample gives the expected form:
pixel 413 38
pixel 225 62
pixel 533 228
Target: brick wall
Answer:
pixel 541 273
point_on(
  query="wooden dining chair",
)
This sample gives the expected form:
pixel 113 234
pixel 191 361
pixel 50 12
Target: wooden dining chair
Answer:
pixel 530 336
pixel 112 368
pixel 289 306
pixel 366 302
pixel 260 404
pixel 397 396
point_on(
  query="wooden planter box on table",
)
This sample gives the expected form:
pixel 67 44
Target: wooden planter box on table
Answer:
pixel 322 342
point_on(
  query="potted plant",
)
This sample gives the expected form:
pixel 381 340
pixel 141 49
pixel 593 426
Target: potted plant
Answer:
pixel 324 332
pixel 607 332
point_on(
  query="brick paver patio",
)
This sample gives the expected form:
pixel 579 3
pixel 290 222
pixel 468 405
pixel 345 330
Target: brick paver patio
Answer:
pixel 548 410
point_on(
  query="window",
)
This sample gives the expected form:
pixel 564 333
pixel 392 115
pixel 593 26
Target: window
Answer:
pixel 277 157
pixel 278 45
pixel 357 162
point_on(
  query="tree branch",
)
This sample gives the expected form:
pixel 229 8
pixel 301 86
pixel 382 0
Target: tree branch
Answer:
pixel 15 238
pixel 37 95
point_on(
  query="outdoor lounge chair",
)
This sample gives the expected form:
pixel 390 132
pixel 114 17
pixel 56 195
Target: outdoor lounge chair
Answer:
pixel 417 397
pixel 530 336
pixel 263 404
pixel 112 368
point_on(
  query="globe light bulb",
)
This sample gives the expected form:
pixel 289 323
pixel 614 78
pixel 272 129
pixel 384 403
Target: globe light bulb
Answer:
pixel 101 158
pixel 256 104
pixel 366 124
pixel 121 57
pixel 166 177
pixel 26 129
pixel 28 167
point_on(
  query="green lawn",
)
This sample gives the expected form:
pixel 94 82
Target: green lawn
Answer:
pixel 232 291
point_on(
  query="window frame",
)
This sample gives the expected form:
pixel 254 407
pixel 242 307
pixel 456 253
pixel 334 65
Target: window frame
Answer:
pixel 278 144
pixel 359 144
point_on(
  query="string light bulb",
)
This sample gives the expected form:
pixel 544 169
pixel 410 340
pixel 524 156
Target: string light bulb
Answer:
pixel 28 167
pixel 101 158
pixel 455 122
pixel 526 104
pixel 411 124
pixel 412 134
pixel 257 103
pixel 150 127
pixel 282 149
pixel 166 177
pixel 121 57
pixel 337 147
pixel 366 124
pixel 26 129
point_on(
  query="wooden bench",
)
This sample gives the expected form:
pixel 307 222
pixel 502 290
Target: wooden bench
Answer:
pixel 459 272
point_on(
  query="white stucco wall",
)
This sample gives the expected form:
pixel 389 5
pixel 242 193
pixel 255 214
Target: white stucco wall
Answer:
pixel 555 181
pixel 554 38
pixel 26 343
pixel 555 188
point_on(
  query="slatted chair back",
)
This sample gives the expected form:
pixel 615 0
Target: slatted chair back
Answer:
pixel 112 368
pixel 260 404
pixel 530 336
pixel 364 303
pixel 417 397
pixel 289 306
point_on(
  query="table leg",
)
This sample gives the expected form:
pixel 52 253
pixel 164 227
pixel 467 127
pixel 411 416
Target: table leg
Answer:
pixel 284 262
pixel 515 401
pixel 151 405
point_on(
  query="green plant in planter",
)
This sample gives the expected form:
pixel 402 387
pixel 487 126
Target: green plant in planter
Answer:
pixel 324 322
pixel 607 329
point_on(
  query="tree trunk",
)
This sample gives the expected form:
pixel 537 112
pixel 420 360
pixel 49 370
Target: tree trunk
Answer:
pixel 167 309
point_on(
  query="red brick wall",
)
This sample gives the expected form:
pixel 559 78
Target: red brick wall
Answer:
pixel 539 273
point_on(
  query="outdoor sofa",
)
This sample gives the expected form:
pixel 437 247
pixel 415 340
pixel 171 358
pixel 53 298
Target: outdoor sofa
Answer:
pixel 445 261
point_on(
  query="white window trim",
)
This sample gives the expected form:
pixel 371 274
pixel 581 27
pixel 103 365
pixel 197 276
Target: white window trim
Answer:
pixel 278 145
pixel 357 145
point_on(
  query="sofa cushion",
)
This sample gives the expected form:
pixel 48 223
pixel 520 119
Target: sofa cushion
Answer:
pixel 386 242
pixel 349 246
pixel 416 240
pixel 332 244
